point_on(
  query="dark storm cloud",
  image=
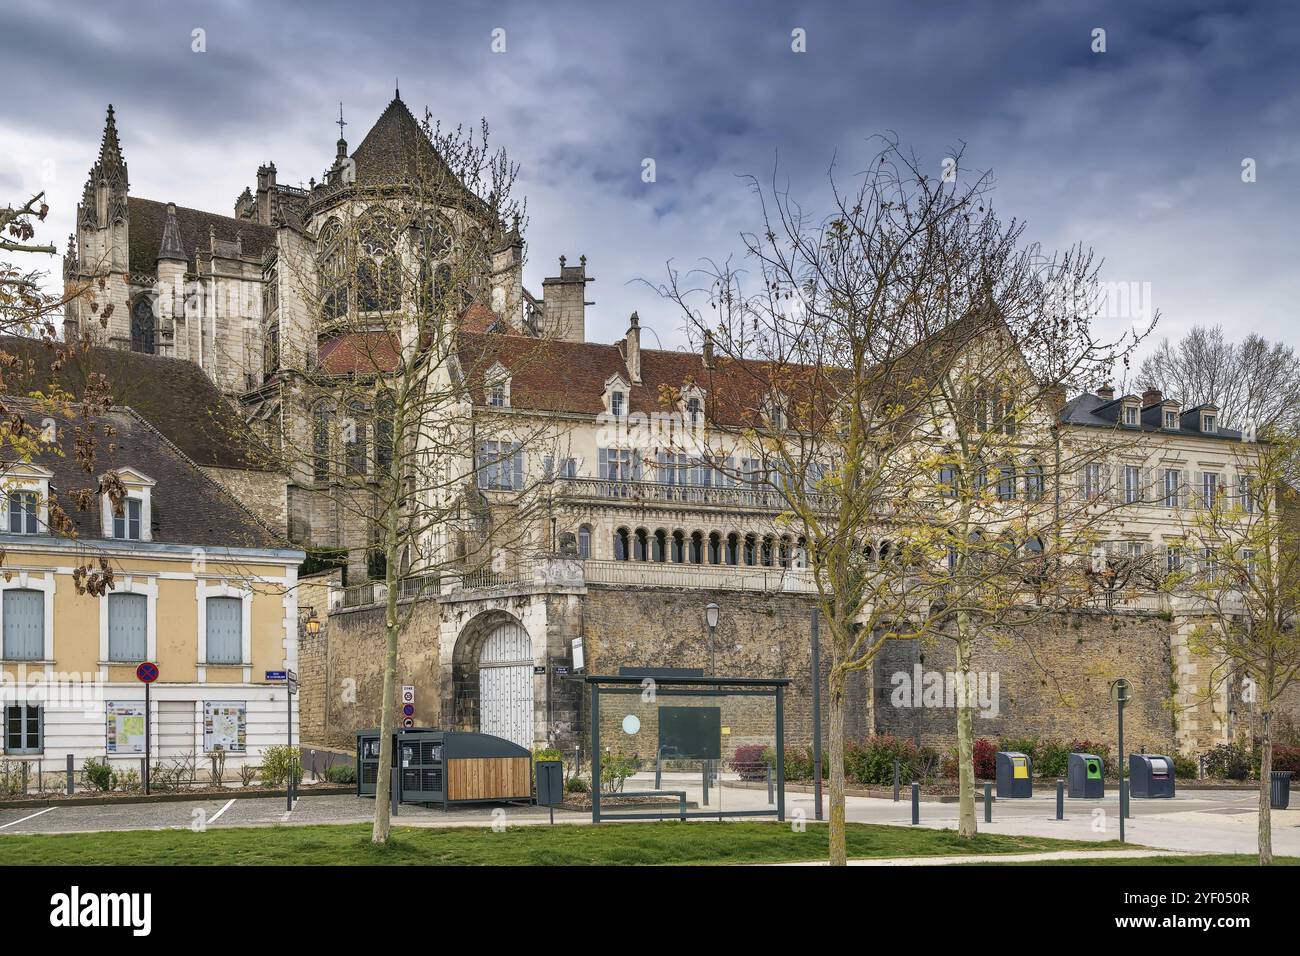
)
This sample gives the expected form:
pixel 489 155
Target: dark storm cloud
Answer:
pixel 1136 151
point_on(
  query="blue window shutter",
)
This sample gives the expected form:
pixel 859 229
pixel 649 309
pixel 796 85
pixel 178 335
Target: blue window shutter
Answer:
pixel 225 626
pixel 127 627
pixel 24 625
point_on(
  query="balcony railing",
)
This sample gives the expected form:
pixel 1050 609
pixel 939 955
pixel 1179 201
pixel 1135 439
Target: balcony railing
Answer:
pixel 658 574
pixel 756 498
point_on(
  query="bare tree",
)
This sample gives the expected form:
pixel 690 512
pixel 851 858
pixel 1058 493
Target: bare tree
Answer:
pixel 888 342
pixel 1240 573
pixel 1252 381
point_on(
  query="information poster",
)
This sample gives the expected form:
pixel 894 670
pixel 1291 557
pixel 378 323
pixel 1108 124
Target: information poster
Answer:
pixel 125 727
pixel 225 725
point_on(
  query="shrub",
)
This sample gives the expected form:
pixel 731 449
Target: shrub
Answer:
pixel 799 763
pixel 985 759
pixel 872 761
pixel 1228 762
pixel 750 761
pixel 1029 746
pixel 616 767
pixel 278 763
pixel 576 785
pixel 98 773
pixel 341 773
pixel 1185 767
pixel 547 753
pixel 1053 758
pixel 247 774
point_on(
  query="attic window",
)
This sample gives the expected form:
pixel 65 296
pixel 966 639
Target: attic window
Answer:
pixel 1209 422
pixel 617 404
pixel 1171 418
pixel 498 386
pixel 23 512
pixel 1131 413
pixel 126 526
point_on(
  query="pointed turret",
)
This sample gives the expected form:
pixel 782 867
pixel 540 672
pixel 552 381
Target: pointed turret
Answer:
pixel 170 249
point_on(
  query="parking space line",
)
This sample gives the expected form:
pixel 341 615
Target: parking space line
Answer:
pixel 228 805
pixel 24 819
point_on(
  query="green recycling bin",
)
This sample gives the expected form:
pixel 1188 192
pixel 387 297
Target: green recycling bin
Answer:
pixel 1086 776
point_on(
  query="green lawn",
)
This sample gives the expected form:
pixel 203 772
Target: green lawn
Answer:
pixel 628 844
pixel 1209 859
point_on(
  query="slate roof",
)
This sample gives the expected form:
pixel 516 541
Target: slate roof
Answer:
pixel 1093 411
pixel 149 219
pixel 175 396
pixel 188 507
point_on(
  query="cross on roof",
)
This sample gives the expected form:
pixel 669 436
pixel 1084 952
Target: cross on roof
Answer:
pixel 341 121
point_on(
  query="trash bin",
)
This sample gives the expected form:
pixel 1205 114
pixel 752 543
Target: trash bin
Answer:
pixel 1086 778
pixel 1280 789
pixel 367 762
pixel 550 783
pixel 1015 778
pixel 1150 775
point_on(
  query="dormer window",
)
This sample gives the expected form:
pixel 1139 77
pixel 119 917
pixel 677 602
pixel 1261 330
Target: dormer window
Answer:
pixel 774 411
pixel 132 518
pixel 126 526
pixel 1132 414
pixel 1209 422
pixel 618 404
pixel 23 512
pixel 1171 418
pixel 27 491
pixel 498 387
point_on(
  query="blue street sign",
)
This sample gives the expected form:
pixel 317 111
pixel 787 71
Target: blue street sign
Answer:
pixel 276 675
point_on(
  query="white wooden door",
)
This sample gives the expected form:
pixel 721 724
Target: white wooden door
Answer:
pixel 505 685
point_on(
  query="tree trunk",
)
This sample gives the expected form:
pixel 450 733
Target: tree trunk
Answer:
pixel 966 825
pixel 838 853
pixel 387 716
pixel 1265 789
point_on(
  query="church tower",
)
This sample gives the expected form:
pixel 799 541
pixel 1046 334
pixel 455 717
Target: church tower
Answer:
pixel 100 247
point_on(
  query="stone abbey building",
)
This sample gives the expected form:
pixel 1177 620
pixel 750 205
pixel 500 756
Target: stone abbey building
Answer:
pixel 639 537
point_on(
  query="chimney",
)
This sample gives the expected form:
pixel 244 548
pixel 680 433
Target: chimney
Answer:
pixel 1152 396
pixel 632 349
pixel 708 349
pixel 1106 392
pixel 564 302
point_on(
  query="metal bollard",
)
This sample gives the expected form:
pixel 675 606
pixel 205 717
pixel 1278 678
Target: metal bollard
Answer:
pixel 72 780
pixel 895 781
pixel 704 799
pixel 1060 799
pixel 1125 803
pixel 916 804
pixel 988 803
pixel 395 790
pixel 771 797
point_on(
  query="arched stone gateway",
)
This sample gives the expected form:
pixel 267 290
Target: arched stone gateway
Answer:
pixel 493 678
pixel 505 679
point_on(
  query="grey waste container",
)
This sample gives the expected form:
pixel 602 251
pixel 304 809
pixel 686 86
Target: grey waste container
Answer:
pixel 1086 777
pixel 550 783
pixel 1280 789
pixel 367 762
pixel 1150 775
pixel 1015 775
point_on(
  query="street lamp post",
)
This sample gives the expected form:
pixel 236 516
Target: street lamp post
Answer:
pixel 711 611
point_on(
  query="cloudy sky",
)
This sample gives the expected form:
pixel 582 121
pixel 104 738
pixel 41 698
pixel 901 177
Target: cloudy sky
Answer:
pixel 1137 151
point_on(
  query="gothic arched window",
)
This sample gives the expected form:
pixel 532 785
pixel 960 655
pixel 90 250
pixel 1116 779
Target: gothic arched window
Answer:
pixel 142 325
